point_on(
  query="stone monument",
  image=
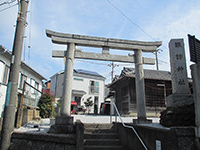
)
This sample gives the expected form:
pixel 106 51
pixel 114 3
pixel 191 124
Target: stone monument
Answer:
pixel 180 103
pixel 180 88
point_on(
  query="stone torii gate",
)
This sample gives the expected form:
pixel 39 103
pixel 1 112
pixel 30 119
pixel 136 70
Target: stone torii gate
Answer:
pixel 72 40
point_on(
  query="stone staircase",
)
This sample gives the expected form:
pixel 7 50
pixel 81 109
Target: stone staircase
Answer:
pixel 101 137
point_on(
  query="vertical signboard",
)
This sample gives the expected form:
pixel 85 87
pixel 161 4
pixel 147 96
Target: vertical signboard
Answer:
pixel 178 67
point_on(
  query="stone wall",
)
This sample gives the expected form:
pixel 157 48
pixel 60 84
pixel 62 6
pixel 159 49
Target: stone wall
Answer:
pixel 29 114
pixel 47 141
pixel 41 141
pixel 166 138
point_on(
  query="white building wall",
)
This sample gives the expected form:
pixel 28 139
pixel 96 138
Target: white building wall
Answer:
pixel 85 86
pixel 5 57
pixel 80 83
pixel 53 84
pixel 30 75
pixel 3 89
pixel 3 86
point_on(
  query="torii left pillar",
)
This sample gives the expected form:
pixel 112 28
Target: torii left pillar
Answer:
pixel 68 76
pixel 64 123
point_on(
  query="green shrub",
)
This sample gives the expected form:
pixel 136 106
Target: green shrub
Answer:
pixel 59 102
pixel 46 106
pixel 88 103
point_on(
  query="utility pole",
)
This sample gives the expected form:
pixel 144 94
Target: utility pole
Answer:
pixel 15 64
pixel 112 72
pixel 157 59
pixel 156 53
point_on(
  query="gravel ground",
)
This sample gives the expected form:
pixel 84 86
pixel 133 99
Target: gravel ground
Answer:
pixel 43 125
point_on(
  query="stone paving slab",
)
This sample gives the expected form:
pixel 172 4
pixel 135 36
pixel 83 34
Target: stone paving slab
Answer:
pixel 43 125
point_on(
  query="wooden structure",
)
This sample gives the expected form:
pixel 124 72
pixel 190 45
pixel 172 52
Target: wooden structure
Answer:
pixel 157 88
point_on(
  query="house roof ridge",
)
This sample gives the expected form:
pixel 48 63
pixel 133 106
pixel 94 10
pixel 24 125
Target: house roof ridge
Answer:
pixel 146 69
pixel 88 72
pixel 81 71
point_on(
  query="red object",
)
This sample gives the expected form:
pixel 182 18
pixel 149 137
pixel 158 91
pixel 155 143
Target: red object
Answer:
pixel 84 109
pixel 73 111
pixel 73 103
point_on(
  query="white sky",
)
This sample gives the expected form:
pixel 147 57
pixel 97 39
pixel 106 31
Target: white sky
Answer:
pixel 162 20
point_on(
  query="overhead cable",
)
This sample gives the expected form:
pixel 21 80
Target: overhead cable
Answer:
pixel 131 20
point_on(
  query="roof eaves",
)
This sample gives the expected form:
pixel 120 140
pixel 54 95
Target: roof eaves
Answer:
pixel 117 81
pixel 23 63
pixel 9 53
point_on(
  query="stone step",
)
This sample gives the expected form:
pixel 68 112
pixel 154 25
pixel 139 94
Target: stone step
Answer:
pixel 91 147
pixel 98 126
pixel 96 130
pixel 101 136
pixel 102 142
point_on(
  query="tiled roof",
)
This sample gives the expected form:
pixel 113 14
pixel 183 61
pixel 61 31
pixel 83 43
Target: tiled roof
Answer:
pixel 148 74
pixel 87 72
pixel 81 71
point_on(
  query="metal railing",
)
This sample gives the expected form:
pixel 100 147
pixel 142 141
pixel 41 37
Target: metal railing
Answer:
pixel 127 126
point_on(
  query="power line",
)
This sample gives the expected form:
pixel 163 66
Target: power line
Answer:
pixel 27 52
pixel 131 20
pixel 121 64
pixel 93 62
pixel 112 65
pixel 8 7
pixel 8 2
pixel 136 26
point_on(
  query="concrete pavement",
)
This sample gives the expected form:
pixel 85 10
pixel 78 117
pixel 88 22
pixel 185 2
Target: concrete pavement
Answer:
pixel 43 125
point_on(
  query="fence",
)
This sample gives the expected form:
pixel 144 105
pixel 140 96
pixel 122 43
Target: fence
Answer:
pixel 31 95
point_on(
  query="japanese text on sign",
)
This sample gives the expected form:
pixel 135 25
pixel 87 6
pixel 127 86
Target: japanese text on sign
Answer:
pixel 181 82
pixel 180 69
pixel 179 56
pixel 178 44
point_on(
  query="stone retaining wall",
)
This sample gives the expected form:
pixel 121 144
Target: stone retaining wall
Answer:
pixel 42 141
pixel 173 138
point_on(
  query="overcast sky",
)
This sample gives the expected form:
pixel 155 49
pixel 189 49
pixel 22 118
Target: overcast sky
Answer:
pixel 140 20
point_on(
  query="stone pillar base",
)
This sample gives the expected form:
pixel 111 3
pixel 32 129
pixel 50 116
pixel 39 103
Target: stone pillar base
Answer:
pixel 179 100
pixel 178 116
pixel 63 125
pixel 142 121
pixel 64 120
pixel 179 112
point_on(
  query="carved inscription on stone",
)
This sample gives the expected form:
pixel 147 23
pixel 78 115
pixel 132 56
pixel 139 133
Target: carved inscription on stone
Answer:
pixel 178 67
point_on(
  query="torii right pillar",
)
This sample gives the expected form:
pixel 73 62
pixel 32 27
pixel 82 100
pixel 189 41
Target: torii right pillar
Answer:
pixel 140 89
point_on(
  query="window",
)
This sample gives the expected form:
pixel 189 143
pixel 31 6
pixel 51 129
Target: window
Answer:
pixel 78 100
pixel 5 78
pixel 2 68
pixel 3 72
pixel 94 87
pixel 32 83
pixel 22 79
pixel 36 85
